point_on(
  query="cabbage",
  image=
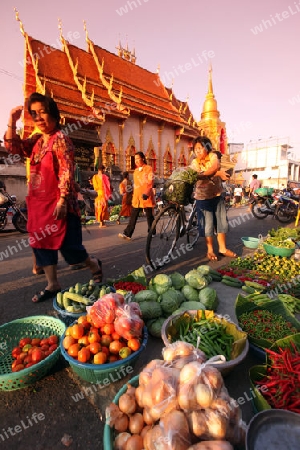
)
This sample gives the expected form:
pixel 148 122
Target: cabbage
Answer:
pixel 150 310
pixel 195 279
pixel 145 295
pixel 162 283
pixel 208 297
pixel 204 269
pixel 178 280
pixel 190 293
pixel 154 326
pixel 190 306
pixel 170 301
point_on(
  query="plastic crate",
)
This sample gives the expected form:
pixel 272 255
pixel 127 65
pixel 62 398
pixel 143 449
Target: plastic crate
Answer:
pixel 178 192
pixel 10 335
pixel 97 373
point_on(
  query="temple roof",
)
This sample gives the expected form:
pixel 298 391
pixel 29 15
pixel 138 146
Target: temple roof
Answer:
pixel 98 83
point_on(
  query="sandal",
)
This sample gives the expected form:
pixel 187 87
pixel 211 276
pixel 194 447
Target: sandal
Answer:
pixel 44 295
pixel 77 266
pixel 228 253
pixel 212 257
pixel 97 276
pixel 38 271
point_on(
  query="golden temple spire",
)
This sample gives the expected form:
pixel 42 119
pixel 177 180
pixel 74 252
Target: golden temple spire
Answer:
pixel 210 109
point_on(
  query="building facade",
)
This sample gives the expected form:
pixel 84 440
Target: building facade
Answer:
pixel 271 159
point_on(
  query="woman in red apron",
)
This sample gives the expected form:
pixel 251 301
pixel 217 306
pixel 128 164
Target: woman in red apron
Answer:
pixel 53 213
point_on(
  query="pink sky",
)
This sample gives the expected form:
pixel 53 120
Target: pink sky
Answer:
pixel 253 48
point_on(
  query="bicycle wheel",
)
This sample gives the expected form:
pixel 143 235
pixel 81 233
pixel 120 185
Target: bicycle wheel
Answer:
pixel 192 229
pixel 162 237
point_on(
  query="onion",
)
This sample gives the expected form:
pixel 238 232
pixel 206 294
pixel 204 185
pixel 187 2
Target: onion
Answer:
pixel 112 413
pixel 121 423
pixel 139 393
pixel 148 419
pixel 130 390
pixel 121 440
pixel 144 430
pixel 127 403
pixel 212 378
pixel 190 372
pixel 147 396
pixel 197 423
pixel 160 392
pixel 186 396
pixel 135 442
pixel 136 423
pixel 203 395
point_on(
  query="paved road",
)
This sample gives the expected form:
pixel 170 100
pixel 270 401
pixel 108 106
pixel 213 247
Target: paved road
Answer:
pixel 54 398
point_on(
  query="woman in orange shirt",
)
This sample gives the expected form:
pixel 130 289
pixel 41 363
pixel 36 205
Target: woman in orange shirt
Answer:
pixel 101 184
pixel 143 197
pixel 125 189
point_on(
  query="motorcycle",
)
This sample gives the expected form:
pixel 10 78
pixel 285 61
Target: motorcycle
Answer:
pixel 262 206
pixel 8 205
pixel 287 207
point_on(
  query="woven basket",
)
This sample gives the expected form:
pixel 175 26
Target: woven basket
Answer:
pixel 98 373
pixel 10 334
pixel 178 191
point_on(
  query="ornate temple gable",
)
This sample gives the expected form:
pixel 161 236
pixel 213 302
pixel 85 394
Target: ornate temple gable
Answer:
pixel 107 83
pixel 32 82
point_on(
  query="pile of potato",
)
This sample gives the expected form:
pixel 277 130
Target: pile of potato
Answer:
pixel 181 403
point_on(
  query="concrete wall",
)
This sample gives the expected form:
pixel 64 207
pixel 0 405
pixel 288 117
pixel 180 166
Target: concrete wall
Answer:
pixel 14 178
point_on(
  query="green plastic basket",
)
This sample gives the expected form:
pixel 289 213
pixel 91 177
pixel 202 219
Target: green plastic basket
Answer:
pixel 278 251
pixel 264 191
pixel 67 317
pixel 10 334
pixel 105 373
pixel 250 242
pixel 108 435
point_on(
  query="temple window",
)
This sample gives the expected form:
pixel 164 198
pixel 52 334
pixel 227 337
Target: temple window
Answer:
pixel 151 159
pixel 168 164
pixel 129 155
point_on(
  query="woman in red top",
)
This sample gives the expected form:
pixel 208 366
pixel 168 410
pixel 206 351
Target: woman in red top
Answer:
pixel 53 213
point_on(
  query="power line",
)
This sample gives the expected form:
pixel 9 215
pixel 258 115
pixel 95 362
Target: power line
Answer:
pixel 10 74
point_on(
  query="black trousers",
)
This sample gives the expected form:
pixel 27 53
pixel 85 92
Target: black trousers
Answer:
pixel 134 217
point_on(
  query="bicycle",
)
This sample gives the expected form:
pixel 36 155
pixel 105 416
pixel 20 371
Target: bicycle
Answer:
pixel 171 223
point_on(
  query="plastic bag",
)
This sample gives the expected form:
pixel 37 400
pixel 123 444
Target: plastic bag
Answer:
pixel 181 353
pixel 128 323
pixel 104 310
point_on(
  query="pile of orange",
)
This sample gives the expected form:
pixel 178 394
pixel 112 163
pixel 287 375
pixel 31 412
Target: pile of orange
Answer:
pixel 89 344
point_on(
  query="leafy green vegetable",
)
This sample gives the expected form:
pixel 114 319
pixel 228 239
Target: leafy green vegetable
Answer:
pixel 178 280
pixel 145 296
pixel 190 293
pixel 208 297
pixel 169 301
pixel 150 310
pixel 161 283
pixel 195 279
pixel 154 326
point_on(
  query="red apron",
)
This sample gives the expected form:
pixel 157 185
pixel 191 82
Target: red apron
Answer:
pixel 44 230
